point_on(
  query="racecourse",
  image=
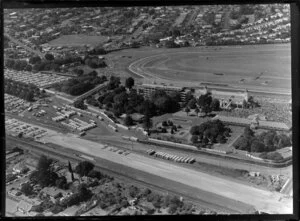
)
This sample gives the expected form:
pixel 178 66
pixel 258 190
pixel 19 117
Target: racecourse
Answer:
pixel 258 68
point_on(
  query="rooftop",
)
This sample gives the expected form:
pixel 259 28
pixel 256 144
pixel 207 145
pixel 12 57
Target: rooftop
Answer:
pixel 161 86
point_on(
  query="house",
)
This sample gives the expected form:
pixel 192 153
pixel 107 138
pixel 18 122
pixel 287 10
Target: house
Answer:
pixel 70 211
pixel 24 207
pixel 20 168
pixel 53 192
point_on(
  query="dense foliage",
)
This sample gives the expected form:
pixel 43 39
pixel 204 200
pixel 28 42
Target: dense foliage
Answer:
pixel 264 142
pixel 209 132
pixel 84 167
pixel 21 90
pixel 44 174
pixel 80 84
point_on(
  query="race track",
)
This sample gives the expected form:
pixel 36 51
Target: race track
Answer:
pixel 263 68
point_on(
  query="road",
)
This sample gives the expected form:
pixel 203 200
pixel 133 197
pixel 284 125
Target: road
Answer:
pixel 288 188
pixel 92 91
pixel 25 46
pixel 262 200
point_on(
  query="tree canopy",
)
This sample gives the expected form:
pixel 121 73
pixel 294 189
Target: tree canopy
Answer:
pixel 84 167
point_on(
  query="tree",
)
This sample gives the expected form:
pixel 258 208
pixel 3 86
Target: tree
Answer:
pixel 61 182
pixel 147 123
pixel 28 68
pixel 129 82
pixel 206 109
pixel 257 146
pixel 194 139
pixel 27 189
pixel 29 96
pixel 187 110
pixel 95 174
pixel 205 100
pixel 133 191
pixel 45 175
pixel 128 120
pixel 242 143
pixel 49 57
pixel 248 132
pixel 35 59
pixel 194 130
pixel 197 111
pixel 175 96
pixel 215 104
pixel 84 167
pixel 192 103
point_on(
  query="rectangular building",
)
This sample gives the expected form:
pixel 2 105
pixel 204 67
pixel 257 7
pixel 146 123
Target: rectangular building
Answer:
pixel 147 89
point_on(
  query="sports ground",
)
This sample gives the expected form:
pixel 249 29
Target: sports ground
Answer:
pixel 256 67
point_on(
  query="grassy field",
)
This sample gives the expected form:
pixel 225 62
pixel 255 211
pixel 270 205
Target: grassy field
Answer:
pixel 77 40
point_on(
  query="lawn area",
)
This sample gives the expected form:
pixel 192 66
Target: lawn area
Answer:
pixel 77 40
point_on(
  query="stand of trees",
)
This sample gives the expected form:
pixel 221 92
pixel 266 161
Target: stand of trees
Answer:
pixel 44 174
pixel 209 132
pixel 21 90
pixel 80 84
pixel 265 142
pixel 18 65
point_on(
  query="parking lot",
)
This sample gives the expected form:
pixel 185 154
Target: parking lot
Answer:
pixel 38 79
pixel 15 127
pixel 14 104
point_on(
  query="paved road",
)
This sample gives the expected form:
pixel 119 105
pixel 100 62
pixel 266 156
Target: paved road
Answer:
pixel 261 199
pixel 25 46
pixel 288 188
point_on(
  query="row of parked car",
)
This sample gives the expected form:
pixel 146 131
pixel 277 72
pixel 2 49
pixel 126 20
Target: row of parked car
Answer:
pixel 171 157
pixel 27 130
pixel 116 150
pixel 14 104
pixel 38 79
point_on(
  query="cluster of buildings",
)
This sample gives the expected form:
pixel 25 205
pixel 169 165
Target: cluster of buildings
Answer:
pixel 35 27
pixel 272 29
pixel 227 99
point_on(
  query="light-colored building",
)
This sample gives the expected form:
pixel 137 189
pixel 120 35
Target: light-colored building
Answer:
pixel 147 89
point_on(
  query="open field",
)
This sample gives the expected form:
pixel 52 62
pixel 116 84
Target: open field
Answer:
pixel 77 40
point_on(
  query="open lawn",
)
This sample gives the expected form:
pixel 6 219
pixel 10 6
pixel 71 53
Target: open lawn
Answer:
pixel 77 40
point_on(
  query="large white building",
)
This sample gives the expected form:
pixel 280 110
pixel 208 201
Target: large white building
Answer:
pixel 228 99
